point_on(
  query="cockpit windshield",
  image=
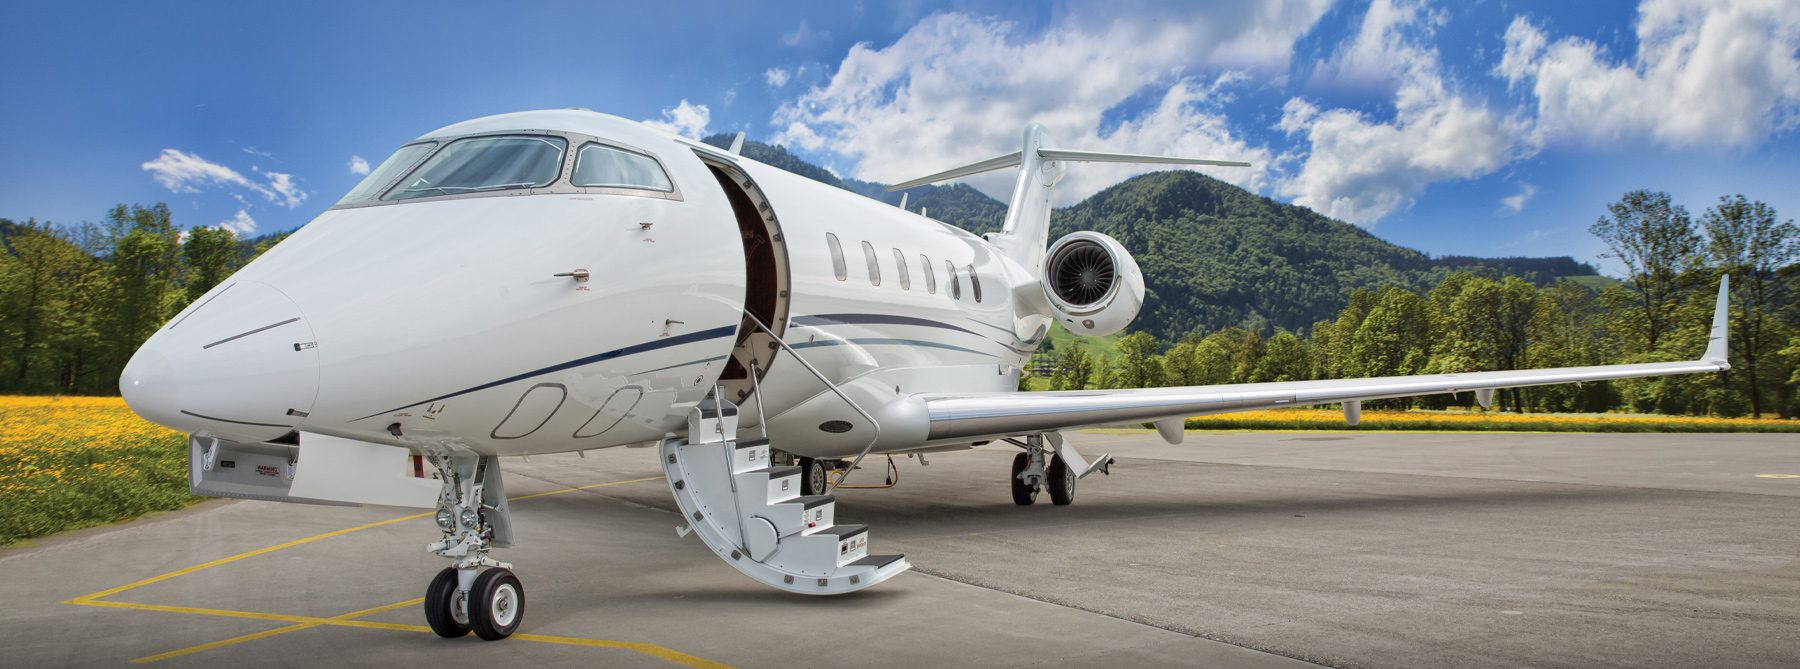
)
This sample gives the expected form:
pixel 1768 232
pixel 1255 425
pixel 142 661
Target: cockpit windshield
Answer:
pixel 480 164
pixel 389 170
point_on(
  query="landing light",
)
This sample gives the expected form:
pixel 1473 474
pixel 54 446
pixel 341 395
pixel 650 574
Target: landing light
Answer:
pixel 443 517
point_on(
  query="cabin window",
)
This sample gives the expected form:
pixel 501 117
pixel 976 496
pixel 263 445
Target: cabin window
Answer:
pixel 390 169
pixel 930 278
pixel 598 165
pixel 874 269
pixel 480 164
pixel 837 257
pixel 900 270
pixel 974 283
pixel 955 284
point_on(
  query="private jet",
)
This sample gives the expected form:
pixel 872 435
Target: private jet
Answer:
pixel 564 280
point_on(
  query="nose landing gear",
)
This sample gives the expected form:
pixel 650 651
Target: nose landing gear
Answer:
pixel 472 513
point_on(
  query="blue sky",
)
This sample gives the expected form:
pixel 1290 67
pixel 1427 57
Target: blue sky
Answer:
pixel 1483 128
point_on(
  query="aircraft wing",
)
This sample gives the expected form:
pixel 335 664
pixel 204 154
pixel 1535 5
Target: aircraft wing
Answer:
pixel 978 415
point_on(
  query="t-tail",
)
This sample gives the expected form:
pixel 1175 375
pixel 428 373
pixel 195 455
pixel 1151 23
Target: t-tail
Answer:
pixel 1027 229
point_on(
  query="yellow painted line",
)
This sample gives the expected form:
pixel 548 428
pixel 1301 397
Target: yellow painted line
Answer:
pixel 273 632
pixel 327 535
pixel 645 648
pixel 1778 476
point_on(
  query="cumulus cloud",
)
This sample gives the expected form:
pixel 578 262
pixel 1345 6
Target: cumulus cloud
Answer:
pixel 777 77
pixel 687 120
pixel 1706 73
pixel 956 89
pixel 241 224
pixel 183 172
pixel 1514 204
pixel 1360 169
pixel 358 165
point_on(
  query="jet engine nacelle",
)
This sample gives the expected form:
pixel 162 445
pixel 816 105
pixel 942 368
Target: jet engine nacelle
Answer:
pixel 1094 287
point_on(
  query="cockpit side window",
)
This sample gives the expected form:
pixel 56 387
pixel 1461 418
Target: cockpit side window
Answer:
pixel 599 165
pixel 390 169
pixel 480 164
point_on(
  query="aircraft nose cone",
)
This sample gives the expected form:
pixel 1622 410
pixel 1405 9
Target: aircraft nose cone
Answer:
pixel 148 385
pixel 243 365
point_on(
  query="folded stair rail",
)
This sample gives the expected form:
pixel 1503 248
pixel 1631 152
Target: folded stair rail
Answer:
pixel 832 484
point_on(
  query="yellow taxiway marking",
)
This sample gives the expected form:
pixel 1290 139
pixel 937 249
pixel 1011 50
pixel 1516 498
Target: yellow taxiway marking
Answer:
pixel 349 619
pixel 1778 476
pixel 269 633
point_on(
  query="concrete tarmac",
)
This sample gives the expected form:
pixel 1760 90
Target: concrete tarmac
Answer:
pixel 1264 549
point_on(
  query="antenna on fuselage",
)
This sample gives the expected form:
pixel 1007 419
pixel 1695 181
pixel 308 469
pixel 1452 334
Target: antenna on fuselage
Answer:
pixel 737 145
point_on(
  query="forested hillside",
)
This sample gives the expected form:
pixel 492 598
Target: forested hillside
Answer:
pixel 1214 255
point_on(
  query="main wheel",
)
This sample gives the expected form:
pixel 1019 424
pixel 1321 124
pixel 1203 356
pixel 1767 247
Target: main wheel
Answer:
pixel 443 606
pixel 1061 482
pixel 496 604
pixel 812 477
pixel 1023 494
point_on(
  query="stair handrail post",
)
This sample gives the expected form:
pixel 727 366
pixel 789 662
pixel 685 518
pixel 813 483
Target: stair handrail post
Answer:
pixel 762 421
pixel 829 485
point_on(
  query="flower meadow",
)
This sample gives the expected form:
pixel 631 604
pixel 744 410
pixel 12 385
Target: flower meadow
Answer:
pixel 1482 421
pixel 73 462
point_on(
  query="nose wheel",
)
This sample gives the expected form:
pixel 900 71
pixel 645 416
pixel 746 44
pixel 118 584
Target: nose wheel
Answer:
pixel 497 604
pixel 472 513
pixel 446 607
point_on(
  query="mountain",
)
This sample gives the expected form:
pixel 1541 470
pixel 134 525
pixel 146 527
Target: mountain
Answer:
pixel 1214 255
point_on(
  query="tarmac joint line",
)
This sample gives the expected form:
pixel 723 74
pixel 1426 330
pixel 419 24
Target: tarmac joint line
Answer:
pixel 350 619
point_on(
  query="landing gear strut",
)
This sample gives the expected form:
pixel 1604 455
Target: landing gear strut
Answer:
pixel 1028 471
pixel 472 513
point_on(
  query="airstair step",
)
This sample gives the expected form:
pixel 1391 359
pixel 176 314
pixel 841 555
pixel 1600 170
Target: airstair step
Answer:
pixel 852 540
pixel 877 561
pixel 752 443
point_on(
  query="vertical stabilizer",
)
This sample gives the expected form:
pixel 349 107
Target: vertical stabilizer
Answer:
pixel 1027 230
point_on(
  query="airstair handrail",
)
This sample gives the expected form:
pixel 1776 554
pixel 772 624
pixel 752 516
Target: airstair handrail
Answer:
pixel 829 485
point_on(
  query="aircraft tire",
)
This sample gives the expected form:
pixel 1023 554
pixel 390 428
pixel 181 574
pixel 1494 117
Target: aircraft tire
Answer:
pixel 496 604
pixel 1023 495
pixel 440 600
pixel 812 476
pixel 1061 482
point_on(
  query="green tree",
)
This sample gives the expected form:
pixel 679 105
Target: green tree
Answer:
pixel 210 255
pixel 1659 246
pixel 1748 243
pixel 1288 359
pixel 1141 367
pixel 144 258
pixel 1394 338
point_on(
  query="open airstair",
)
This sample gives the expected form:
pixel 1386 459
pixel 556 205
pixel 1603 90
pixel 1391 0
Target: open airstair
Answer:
pixel 753 516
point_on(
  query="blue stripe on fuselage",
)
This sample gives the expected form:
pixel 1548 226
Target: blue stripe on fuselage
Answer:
pixel 705 335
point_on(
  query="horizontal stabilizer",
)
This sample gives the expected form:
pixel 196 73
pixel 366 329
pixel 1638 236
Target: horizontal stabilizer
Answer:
pixel 989 165
pixel 1102 157
pixel 1013 160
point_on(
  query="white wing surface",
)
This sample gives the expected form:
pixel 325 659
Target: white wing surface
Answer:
pixel 978 415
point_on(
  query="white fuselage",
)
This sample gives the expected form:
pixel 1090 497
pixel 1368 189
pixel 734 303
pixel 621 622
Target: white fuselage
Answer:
pixel 440 321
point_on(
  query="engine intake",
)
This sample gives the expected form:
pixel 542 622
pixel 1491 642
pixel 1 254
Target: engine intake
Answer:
pixel 1094 286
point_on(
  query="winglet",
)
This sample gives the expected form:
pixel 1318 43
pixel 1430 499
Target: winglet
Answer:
pixel 737 145
pixel 1717 351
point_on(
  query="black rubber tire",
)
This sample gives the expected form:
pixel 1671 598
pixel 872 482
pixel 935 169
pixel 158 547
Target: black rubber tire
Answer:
pixel 812 476
pixel 490 624
pixel 1061 482
pixel 1023 495
pixel 439 597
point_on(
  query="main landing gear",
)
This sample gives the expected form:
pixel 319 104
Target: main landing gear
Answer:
pixel 1037 469
pixel 472 513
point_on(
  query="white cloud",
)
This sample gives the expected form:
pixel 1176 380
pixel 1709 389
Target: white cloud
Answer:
pixel 687 120
pixel 804 35
pixel 283 186
pixel 1514 204
pixel 241 224
pixel 1706 73
pixel 187 173
pixel 956 89
pixel 1359 169
pixel 777 77
pixel 358 165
